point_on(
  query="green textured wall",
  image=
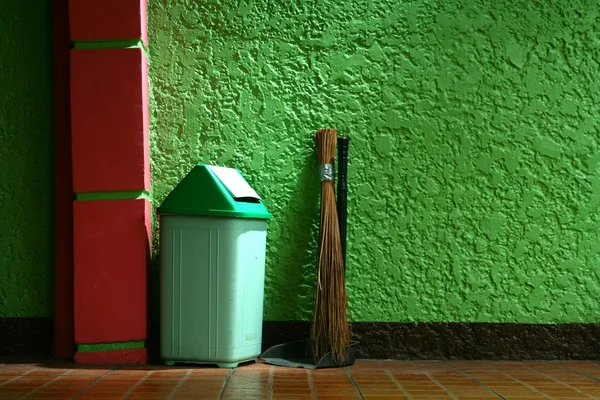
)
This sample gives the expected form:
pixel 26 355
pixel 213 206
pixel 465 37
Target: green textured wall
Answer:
pixel 26 161
pixel 474 185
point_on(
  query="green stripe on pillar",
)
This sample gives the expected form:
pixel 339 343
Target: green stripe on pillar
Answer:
pixel 122 195
pixel 111 44
pixel 90 348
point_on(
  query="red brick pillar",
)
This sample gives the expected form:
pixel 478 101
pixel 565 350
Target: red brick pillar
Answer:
pixel 111 179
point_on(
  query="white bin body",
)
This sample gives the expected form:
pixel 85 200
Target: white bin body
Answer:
pixel 212 289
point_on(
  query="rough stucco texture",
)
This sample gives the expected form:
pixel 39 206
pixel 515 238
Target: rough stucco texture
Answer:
pixel 474 185
pixel 26 168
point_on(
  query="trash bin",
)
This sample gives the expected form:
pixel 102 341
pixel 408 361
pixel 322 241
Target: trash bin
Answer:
pixel 213 232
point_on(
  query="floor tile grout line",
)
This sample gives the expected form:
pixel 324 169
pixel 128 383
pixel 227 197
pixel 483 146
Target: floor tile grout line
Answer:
pixel 18 377
pixel 142 380
pixel 225 383
pixel 356 387
pixel 271 379
pixel 396 381
pixel 521 382
pixel 432 379
pixel 311 384
pixel 46 384
pixel 452 395
pixel 477 381
pixel 180 384
pixel 558 381
pixel 579 372
pixel 76 395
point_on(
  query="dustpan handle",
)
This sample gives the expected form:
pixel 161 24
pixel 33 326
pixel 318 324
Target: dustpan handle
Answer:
pixel 342 191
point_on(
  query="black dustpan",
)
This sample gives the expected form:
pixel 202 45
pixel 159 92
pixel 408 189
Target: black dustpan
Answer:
pixel 299 354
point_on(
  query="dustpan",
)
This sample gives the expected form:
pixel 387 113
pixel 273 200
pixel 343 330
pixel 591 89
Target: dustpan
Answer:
pixel 299 354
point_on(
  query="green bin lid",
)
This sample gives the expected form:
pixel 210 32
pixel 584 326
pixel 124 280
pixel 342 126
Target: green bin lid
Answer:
pixel 214 191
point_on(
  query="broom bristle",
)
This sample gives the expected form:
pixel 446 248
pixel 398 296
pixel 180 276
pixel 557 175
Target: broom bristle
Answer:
pixel 330 330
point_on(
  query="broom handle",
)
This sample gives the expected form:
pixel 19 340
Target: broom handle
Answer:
pixel 342 191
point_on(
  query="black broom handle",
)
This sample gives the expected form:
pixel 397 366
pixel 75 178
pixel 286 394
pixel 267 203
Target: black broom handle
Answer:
pixel 342 191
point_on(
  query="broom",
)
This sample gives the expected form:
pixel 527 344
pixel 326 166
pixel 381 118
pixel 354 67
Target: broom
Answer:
pixel 330 331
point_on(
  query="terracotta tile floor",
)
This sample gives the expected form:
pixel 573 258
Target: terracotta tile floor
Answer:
pixel 368 379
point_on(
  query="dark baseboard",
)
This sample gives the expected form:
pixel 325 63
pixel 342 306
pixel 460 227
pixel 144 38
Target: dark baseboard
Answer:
pixel 32 337
pixel 26 337
pixel 466 341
